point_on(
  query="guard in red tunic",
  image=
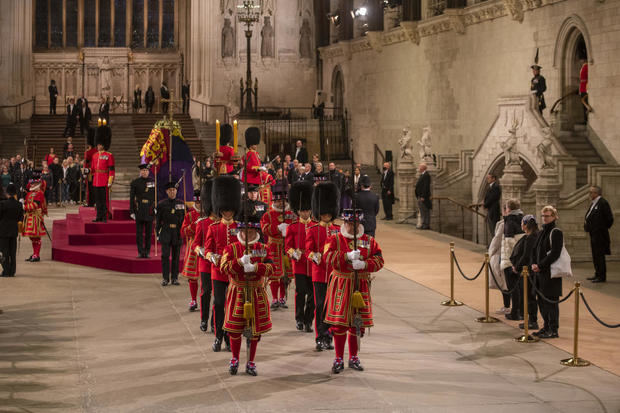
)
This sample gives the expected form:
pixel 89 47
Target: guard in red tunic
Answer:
pixel 325 208
pixel 35 208
pixel 226 199
pixel 251 160
pixel 224 158
pixel 198 246
pixel 190 258
pixel 348 292
pixel 274 224
pixel 103 171
pixel 88 161
pixel 267 182
pixel 300 201
pixel 247 309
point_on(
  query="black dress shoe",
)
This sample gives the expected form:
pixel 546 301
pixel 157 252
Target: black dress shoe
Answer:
pixel 512 317
pixel 203 326
pixel 29 259
pixel 233 367
pixel 319 345
pixel 598 280
pixel 146 256
pixel 338 366
pixel 35 259
pixel 549 334
pixel 140 256
pixel 250 368
pixel 175 282
pixel 164 283
pixel 299 325
pixel 532 325
pixel 217 345
pixel 355 364
pixel 95 220
pixel 308 328
pixel 275 305
pixel 327 344
pixel 594 277
pixel 539 332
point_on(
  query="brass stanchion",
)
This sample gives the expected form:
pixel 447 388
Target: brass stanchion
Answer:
pixel 487 318
pixel 526 337
pixel 451 302
pixel 575 361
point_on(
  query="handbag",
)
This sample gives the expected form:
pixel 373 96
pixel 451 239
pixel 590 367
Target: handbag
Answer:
pixel 561 268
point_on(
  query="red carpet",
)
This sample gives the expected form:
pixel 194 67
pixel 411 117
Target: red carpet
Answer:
pixel 110 246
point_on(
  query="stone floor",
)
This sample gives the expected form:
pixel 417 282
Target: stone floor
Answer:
pixel 74 339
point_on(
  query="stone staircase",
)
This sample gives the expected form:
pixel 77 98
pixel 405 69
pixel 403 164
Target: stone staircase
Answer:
pixel 126 155
pixel 12 139
pixel 578 145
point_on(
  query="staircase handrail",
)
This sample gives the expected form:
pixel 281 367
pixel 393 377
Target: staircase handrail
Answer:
pixel 18 108
pixel 471 208
pixel 204 110
pixel 566 96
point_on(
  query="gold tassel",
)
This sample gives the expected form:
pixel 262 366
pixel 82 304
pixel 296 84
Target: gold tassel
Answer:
pixel 286 261
pixel 247 310
pixel 357 301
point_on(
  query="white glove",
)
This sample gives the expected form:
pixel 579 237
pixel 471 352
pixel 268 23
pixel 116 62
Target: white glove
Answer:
pixel 249 268
pixel 297 255
pixel 282 228
pixel 317 258
pixel 200 251
pixel 132 216
pixel 353 255
pixel 215 259
pixel 110 184
pixel 359 265
pixel 263 168
pixel 245 259
pixel 155 211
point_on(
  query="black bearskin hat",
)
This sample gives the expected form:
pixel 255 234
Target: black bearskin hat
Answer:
pixel 300 196
pixel 226 194
pixel 205 197
pixel 252 136
pixel 103 136
pixel 326 200
pixel 226 133
pixel 90 137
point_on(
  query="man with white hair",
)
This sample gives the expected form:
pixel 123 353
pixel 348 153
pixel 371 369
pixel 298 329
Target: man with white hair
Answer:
pixel 423 195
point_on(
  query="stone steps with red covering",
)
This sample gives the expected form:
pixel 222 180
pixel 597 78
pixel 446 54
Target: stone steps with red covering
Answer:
pixel 110 246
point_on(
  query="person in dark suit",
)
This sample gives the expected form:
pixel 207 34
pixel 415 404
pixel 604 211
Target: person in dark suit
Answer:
pixel 368 202
pixel 538 86
pixel 104 109
pixel 53 91
pixel 423 195
pixel 185 96
pixel 307 175
pixel 137 99
pixel 301 153
pixel 141 209
pixel 547 251
pixel 165 94
pixel 72 115
pixel 491 202
pixel 149 99
pixel 11 217
pixel 170 215
pixel 84 116
pixel 599 219
pixel 387 190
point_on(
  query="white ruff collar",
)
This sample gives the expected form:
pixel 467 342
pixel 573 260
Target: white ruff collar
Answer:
pixel 360 231
pixel 250 242
pixel 275 208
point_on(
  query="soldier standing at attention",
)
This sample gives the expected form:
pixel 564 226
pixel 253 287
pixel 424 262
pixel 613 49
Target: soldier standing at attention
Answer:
pixel 142 209
pixel 190 258
pixel 170 214
pixel 538 86
pixel 103 171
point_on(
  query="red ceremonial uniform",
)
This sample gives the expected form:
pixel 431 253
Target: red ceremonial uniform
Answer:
pixel 239 280
pixel 252 164
pixel 219 236
pixel 275 241
pixel 200 241
pixel 295 240
pixel 35 208
pixel 341 282
pixel 103 168
pixel 316 237
pixel 188 232
pixel 225 160
pixel 264 192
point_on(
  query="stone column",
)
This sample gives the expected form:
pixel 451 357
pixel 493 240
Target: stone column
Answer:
pixel 16 57
pixel 513 182
pixel 406 190
pixel 547 189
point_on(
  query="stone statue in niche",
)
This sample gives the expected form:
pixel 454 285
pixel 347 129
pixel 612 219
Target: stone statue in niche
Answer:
pixel 228 39
pixel 105 74
pixel 509 146
pixel 267 47
pixel 227 6
pixel 305 6
pixel 544 150
pixel 425 145
pixel 406 151
pixel 305 44
pixel 268 6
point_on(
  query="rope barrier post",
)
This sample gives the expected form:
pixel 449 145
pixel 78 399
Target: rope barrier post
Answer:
pixel 575 361
pixel 526 337
pixel 451 302
pixel 487 318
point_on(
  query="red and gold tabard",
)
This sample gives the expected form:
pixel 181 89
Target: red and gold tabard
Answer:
pixel 316 237
pixel 275 241
pixel 200 241
pixel 264 191
pixel 224 163
pixel 341 282
pixel 254 283
pixel 220 235
pixel 252 164
pixel 103 168
pixel 35 208
pixel 188 232
pixel 295 241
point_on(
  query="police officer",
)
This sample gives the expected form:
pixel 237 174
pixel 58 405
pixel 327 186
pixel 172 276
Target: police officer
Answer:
pixel 141 209
pixel 170 214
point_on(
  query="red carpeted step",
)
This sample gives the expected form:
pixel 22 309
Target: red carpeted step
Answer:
pixel 104 239
pixel 111 227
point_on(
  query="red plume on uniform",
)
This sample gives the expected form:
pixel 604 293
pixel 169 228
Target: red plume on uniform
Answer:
pixel 300 196
pixel 226 194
